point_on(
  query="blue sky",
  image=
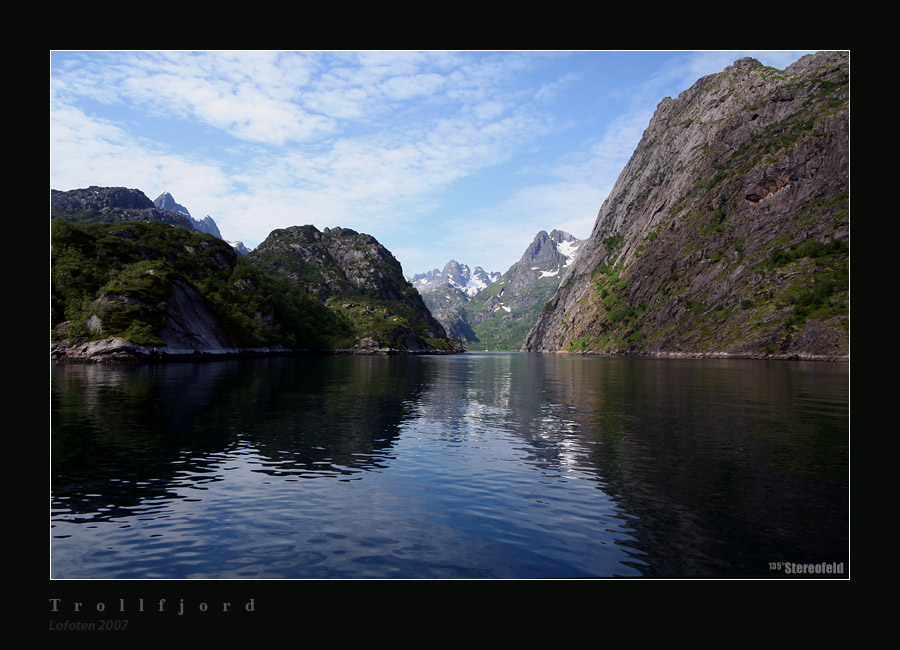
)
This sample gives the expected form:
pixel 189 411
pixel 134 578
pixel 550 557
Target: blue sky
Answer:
pixel 440 155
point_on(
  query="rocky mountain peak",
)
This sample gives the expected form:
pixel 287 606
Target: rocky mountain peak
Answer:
pixel 454 278
pixel 208 224
pixel 454 272
pixel 334 260
pixel 166 201
pixel 746 63
pixel 549 254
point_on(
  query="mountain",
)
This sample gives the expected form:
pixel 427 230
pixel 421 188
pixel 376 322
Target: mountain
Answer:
pixel 146 290
pixel 727 233
pixel 547 257
pixel 455 277
pixel 127 287
pixel 447 293
pixel 111 204
pixel 239 247
pixel 361 280
pixel 166 201
pixel 502 315
pixel 493 311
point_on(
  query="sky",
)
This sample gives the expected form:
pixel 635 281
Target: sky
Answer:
pixel 439 155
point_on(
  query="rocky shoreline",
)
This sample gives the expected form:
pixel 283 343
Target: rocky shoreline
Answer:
pixel 713 355
pixel 115 350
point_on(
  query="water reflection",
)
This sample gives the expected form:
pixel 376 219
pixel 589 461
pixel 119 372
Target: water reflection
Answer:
pixel 479 465
pixel 723 464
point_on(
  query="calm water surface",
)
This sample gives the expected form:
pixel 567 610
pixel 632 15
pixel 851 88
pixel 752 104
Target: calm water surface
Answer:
pixel 483 465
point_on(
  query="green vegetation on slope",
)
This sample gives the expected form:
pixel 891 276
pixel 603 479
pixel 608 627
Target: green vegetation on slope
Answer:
pixel 494 327
pixel 116 279
pixel 358 280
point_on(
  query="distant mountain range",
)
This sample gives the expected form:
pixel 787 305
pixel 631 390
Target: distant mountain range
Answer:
pixel 455 277
pixel 493 311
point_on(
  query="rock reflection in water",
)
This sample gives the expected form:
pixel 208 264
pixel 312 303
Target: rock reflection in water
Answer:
pixel 479 465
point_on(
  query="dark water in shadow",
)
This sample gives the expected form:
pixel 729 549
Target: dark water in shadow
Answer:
pixel 483 465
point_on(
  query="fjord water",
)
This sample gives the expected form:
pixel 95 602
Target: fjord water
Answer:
pixel 481 465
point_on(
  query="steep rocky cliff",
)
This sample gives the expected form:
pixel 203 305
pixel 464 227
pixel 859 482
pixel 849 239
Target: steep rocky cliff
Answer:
pixel 140 290
pixel 727 233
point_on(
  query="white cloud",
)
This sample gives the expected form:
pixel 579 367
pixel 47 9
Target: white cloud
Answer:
pixel 550 90
pixel 407 87
pixel 87 151
pixel 367 140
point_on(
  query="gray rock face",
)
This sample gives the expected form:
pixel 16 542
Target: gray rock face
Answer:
pixel 95 199
pixel 190 325
pixel 495 311
pixel 727 230
pixel 207 224
pixel 340 263
pixel 333 261
pixel 166 201
pixel 110 205
pixel 190 329
pixel 546 258
pixel 239 247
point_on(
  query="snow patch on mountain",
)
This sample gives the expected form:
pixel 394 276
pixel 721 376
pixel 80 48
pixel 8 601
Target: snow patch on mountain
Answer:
pixel 238 247
pixel 569 249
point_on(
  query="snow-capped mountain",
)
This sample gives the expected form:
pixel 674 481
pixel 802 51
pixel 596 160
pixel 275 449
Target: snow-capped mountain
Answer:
pixel 493 311
pixel 456 276
pixel 548 256
pixel 238 247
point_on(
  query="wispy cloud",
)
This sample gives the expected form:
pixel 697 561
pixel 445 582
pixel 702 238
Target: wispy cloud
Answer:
pixel 379 141
pixel 328 141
